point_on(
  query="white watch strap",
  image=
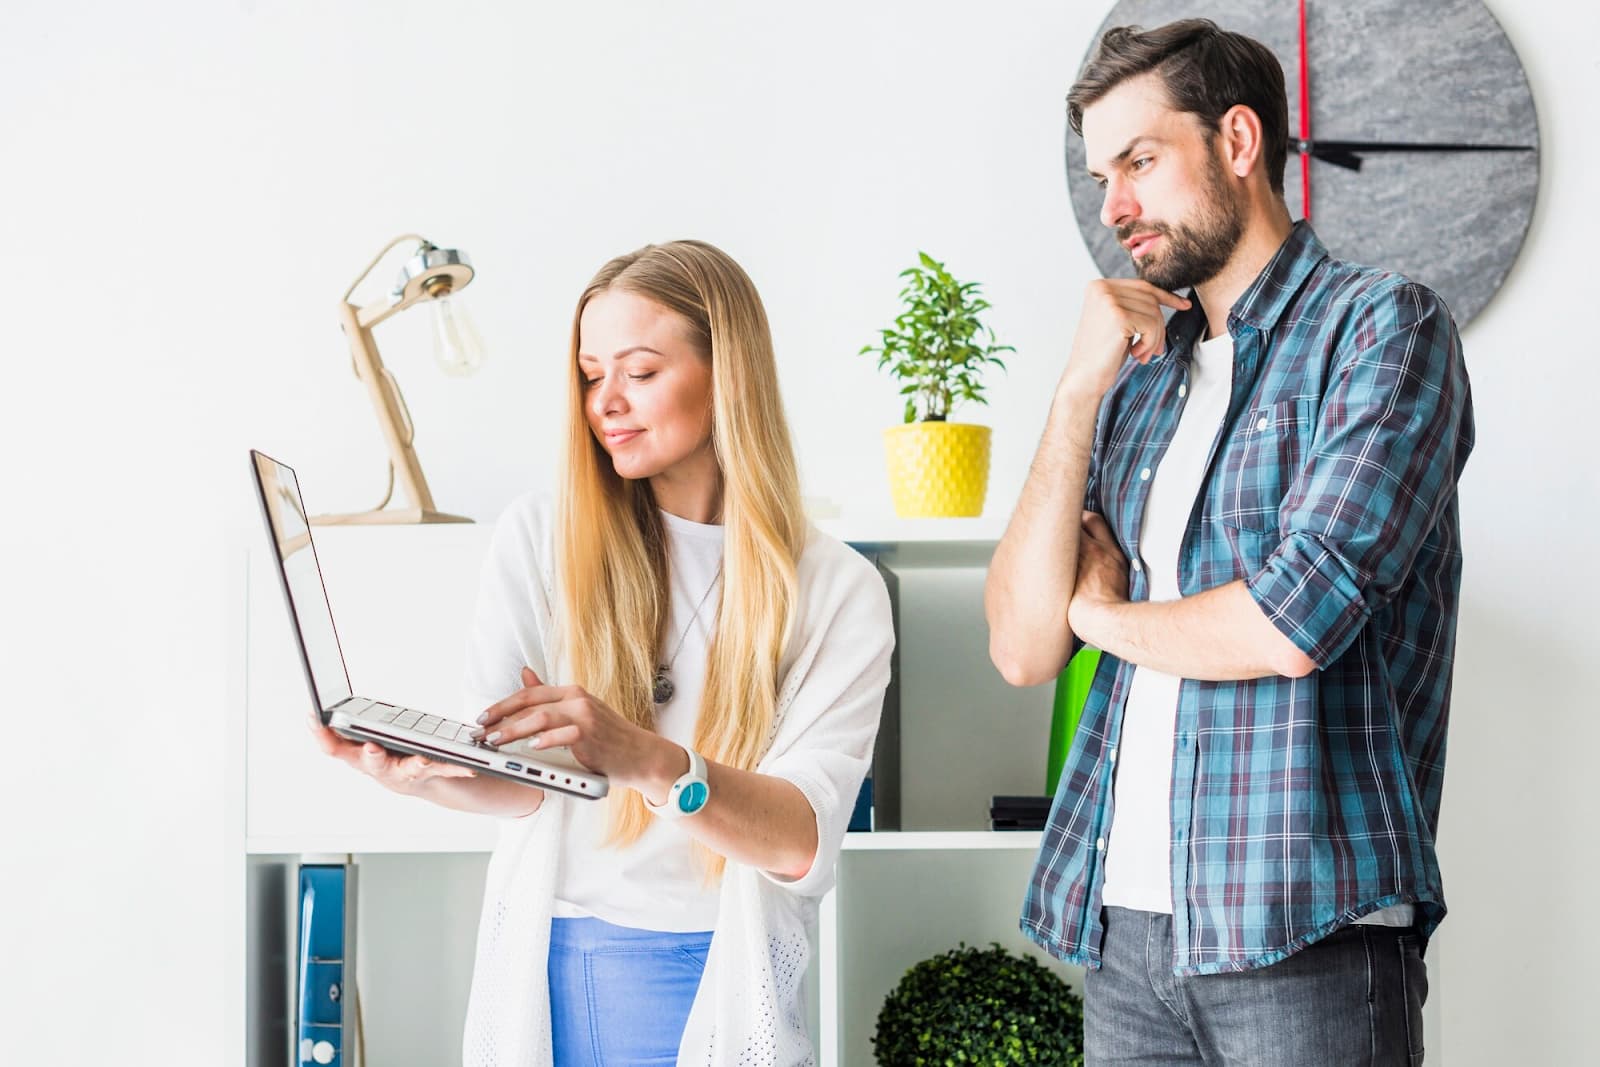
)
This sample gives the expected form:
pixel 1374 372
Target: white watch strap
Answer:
pixel 695 775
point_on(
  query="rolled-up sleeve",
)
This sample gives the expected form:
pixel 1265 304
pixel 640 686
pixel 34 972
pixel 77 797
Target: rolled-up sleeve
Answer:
pixel 836 685
pixel 1393 432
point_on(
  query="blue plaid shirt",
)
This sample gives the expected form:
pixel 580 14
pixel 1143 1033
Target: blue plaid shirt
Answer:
pixel 1298 805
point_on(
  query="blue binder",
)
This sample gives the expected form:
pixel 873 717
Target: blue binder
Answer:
pixel 861 814
pixel 326 966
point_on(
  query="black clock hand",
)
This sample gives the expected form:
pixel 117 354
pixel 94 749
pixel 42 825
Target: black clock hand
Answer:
pixel 1346 154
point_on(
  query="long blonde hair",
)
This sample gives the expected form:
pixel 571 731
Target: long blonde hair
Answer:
pixel 612 544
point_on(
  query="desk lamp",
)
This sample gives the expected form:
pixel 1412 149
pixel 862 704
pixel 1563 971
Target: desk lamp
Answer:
pixel 433 275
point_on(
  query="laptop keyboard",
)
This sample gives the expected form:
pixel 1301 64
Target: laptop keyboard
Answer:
pixel 416 721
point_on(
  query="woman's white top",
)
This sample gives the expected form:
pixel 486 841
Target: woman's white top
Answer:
pixel 833 674
pixel 654 883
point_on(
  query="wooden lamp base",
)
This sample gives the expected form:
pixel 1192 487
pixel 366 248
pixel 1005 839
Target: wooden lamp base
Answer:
pixel 387 517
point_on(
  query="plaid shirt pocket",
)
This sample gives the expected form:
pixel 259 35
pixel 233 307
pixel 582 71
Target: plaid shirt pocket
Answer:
pixel 1259 458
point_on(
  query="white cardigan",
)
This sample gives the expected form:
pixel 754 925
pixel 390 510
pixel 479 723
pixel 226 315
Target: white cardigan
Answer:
pixel 748 1010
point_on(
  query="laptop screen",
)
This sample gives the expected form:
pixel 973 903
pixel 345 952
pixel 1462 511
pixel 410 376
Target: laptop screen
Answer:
pixel 302 580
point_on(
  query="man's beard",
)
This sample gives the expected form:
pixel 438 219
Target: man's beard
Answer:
pixel 1193 252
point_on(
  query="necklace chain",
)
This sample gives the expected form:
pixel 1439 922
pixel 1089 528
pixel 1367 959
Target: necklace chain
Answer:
pixel 663 689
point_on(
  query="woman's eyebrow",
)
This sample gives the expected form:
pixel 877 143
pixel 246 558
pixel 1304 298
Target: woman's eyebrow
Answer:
pixel 624 352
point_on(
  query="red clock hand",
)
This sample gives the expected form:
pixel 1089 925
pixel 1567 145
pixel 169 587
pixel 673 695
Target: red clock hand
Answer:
pixel 1305 118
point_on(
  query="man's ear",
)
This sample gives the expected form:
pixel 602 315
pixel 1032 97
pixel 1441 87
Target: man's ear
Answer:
pixel 1240 140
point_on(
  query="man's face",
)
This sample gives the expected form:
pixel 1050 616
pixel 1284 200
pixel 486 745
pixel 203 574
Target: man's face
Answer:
pixel 1166 192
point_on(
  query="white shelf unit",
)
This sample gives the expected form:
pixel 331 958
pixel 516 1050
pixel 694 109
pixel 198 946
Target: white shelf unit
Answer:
pixel 402 598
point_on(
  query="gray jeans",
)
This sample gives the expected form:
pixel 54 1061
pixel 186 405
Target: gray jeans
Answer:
pixel 1353 998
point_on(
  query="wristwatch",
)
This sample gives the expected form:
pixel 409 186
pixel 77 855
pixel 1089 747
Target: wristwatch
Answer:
pixel 688 794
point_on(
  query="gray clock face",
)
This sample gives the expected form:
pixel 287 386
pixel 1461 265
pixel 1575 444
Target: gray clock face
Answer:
pixel 1383 71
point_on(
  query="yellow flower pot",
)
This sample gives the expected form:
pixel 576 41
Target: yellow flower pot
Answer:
pixel 937 469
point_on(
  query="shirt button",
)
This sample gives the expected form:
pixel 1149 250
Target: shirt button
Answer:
pixel 1136 565
pixel 1183 390
pixel 1144 475
pixel 1261 424
pixel 1100 845
pixel 1113 755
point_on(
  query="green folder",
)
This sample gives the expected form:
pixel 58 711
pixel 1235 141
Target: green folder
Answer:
pixel 1072 692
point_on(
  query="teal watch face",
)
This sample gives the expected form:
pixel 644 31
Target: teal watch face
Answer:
pixel 693 797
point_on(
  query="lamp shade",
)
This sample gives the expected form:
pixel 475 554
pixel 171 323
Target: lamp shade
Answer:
pixel 432 272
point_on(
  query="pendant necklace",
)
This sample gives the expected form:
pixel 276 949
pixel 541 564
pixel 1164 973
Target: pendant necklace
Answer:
pixel 662 689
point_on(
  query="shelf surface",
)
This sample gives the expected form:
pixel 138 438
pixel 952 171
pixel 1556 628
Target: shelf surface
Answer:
pixel 365 843
pixel 483 840
pixel 941 840
pixel 889 529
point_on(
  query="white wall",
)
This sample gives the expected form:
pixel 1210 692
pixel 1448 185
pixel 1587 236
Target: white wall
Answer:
pixel 186 188
pixel 1518 839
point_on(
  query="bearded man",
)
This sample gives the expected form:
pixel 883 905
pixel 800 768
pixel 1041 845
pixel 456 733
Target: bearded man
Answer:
pixel 1245 496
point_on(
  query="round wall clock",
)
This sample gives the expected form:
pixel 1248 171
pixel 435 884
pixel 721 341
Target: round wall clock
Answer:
pixel 1418 152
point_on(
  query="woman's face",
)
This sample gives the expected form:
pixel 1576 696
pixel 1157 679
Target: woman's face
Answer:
pixel 647 389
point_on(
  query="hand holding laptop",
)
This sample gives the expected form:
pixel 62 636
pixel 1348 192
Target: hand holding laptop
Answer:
pixel 392 770
pixel 446 784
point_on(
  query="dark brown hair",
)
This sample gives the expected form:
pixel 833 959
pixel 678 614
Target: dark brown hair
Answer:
pixel 1206 71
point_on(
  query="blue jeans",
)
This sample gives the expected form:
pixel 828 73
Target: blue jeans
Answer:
pixel 620 996
pixel 1353 998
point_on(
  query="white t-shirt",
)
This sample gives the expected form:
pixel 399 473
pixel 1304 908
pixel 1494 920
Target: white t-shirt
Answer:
pixel 1138 848
pixel 655 883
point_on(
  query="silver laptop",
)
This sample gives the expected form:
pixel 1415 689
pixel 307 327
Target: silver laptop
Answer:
pixel 396 728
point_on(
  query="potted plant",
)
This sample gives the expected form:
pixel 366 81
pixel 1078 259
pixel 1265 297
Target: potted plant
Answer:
pixel 938 350
pixel 980 1006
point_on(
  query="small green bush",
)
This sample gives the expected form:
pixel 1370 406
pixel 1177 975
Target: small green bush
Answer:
pixel 979 1006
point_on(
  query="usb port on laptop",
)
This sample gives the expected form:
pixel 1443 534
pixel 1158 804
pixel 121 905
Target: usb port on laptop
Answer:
pixel 512 765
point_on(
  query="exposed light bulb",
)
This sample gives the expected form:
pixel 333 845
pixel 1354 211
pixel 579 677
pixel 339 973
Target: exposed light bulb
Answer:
pixel 456 346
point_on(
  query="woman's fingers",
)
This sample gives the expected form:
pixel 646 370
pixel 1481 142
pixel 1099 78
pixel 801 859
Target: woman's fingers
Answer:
pixel 529 697
pixel 389 767
pixel 374 760
pixel 416 768
pixel 331 743
pixel 325 739
pixel 345 751
pixel 558 737
pixel 522 724
pixel 551 725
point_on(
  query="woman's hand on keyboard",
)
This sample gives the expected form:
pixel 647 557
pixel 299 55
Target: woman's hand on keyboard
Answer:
pixel 599 738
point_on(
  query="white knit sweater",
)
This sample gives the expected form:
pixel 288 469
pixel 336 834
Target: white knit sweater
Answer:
pixel 834 671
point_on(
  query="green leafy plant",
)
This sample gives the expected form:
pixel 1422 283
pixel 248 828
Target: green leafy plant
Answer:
pixel 938 349
pixel 979 1006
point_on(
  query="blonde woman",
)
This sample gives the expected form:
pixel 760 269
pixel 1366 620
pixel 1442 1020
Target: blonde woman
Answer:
pixel 677 624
